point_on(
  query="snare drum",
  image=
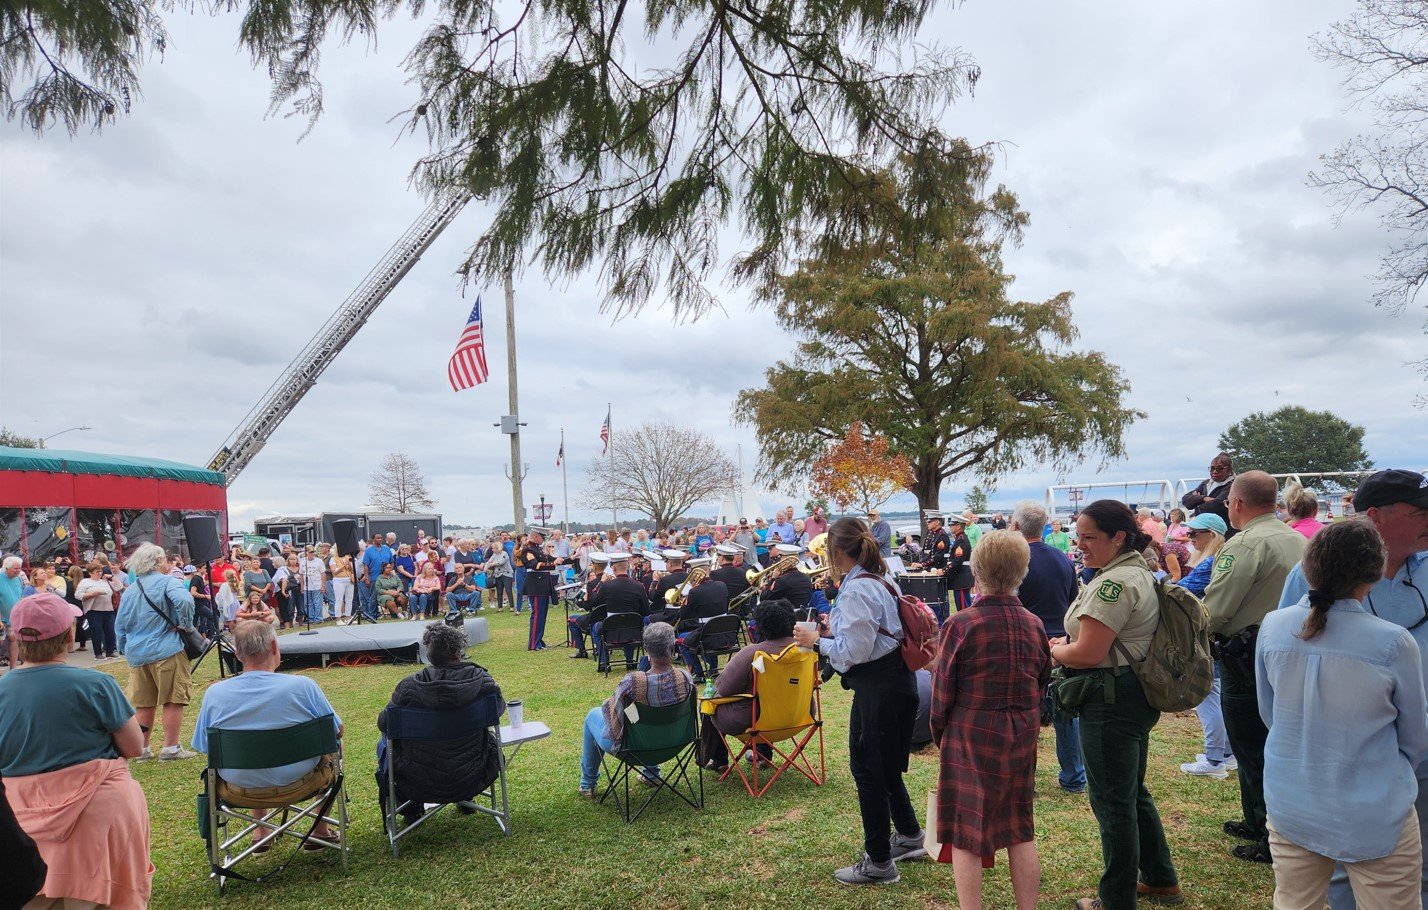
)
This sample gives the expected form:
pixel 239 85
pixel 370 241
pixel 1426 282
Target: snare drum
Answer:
pixel 930 586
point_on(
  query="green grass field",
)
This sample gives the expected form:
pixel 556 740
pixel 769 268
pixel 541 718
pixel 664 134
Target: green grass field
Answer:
pixel 568 852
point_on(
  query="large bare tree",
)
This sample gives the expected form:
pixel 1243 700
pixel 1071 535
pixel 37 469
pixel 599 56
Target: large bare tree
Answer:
pixel 1383 51
pixel 658 470
pixel 398 485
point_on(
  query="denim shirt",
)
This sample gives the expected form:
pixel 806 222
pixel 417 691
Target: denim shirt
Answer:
pixel 861 610
pixel 143 635
pixel 1392 599
pixel 1347 727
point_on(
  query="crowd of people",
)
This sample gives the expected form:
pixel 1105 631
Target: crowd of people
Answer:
pixel 1318 706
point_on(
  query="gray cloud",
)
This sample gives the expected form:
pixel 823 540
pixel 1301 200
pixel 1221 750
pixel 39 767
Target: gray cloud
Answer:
pixel 194 248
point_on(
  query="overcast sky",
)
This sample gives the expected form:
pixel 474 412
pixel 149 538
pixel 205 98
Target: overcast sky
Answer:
pixel 155 279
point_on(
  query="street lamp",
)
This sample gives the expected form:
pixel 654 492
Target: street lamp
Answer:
pixel 44 439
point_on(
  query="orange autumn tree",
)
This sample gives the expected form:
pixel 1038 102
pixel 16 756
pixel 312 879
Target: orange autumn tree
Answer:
pixel 859 471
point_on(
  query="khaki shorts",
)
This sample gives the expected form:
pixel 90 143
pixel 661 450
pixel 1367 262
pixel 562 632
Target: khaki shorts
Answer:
pixel 163 682
pixel 322 776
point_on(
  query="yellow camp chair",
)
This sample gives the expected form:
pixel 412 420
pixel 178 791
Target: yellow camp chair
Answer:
pixel 787 707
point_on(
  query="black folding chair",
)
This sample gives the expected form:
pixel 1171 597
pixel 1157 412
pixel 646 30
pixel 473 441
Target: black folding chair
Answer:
pixel 653 737
pixel 621 630
pixel 721 635
pixel 428 725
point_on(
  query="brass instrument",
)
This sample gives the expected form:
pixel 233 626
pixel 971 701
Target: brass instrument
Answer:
pixel 673 597
pixel 757 578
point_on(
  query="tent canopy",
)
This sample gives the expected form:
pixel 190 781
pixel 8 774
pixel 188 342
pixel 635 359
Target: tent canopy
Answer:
pixel 64 461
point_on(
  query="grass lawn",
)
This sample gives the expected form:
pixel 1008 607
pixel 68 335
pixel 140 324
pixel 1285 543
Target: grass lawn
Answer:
pixel 567 852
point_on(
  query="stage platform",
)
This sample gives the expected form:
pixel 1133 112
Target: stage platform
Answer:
pixel 390 641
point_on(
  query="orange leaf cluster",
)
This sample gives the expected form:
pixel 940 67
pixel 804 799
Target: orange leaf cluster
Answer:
pixel 860 471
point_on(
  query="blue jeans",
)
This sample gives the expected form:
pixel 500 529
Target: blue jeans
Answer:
pixel 367 597
pixel 425 602
pixel 691 659
pixel 1212 720
pixel 1341 895
pixel 597 741
pixel 602 657
pixel 1072 775
pixel 312 603
pixel 329 599
pixel 462 600
pixel 520 586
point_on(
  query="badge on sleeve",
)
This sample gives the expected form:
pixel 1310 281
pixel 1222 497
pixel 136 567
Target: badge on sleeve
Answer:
pixel 1110 591
pixel 941 544
pixel 1224 563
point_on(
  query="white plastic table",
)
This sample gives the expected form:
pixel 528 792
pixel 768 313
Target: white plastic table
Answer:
pixel 512 738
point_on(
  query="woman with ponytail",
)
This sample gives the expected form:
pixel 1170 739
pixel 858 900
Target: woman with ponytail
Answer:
pixel 1342 694
pixel 862 644
pixel 1109 628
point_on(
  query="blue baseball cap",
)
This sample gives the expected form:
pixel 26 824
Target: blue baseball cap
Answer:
pixel 1208 521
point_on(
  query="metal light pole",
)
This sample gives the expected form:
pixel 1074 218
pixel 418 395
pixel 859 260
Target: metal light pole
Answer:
pixel 517 473
pixel 44 439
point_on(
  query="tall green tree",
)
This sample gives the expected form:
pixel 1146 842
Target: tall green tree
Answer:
pixel 588 153
pixel 1296 439
pixel 904 324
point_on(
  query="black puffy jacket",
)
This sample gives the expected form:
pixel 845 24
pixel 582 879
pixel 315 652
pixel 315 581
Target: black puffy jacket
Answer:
pixel 452 770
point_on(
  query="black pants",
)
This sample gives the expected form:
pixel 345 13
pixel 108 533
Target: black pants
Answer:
pixel 1240 703
pixel 101 631
pixel 879 740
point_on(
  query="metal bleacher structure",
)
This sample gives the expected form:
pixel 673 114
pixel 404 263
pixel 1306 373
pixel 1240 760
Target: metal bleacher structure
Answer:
pixel 244 443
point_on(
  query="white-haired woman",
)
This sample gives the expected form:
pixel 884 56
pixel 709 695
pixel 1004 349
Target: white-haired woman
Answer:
pixel 992 665
pixel 150 610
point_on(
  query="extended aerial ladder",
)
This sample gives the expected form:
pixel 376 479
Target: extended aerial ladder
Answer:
pixel 302 373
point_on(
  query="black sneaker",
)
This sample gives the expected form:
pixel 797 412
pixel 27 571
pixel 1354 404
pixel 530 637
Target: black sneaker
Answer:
pixel 908 846
pixel 580 655
pixel 867 872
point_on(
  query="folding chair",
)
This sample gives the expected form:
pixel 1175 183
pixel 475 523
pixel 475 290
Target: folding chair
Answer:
pixel 787 707
pixel 621 630
pixel 428 725
pixel 654 736
pixel 257 749
pixel 721 635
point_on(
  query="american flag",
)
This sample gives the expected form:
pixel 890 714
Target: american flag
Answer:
pixel 467 367
pixel 605 433
pixel 560 456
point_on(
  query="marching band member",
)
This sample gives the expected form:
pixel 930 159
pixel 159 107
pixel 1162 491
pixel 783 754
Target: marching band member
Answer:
pixel 674 578
pixel 619 594
pixel 534 558
pixel 581 623
pixel 731 569
pixel 959 565
pixel 706 600
pixel 792 586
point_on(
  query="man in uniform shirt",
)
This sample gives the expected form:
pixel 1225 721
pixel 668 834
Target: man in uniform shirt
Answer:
pixel 793 586
pixel 959 562
pixel 581 623
pixel 1395 502
pixel 731 569
pixel 708 599
pixel 535 559
pixel 937 546
pixel 620 594
pixel 673 578
pixel 1211 495
pixel 1248 578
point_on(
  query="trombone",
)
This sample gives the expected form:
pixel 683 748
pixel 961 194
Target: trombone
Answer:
pixel 757 578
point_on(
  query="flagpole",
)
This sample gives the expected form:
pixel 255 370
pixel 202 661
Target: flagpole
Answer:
pixel 517 472
pixel 564 484
pixel 614 510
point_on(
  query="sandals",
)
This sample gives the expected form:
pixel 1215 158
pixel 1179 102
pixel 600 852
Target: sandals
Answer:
pixel 1257 852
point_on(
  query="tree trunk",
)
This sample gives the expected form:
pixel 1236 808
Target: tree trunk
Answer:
pixel 927 487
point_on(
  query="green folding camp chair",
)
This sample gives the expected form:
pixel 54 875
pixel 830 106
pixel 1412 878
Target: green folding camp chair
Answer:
pixel 653 737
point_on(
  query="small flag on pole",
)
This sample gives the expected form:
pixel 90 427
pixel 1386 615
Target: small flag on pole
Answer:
pixel 605 434
pixel 467 366
pixel 560 456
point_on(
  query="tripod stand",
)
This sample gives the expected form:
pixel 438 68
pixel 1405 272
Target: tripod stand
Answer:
pixel 225 653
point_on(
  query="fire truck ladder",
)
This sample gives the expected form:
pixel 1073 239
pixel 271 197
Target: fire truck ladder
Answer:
pixel 244 443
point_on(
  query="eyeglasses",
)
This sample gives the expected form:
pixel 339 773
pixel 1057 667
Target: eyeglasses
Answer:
pixel 1421 599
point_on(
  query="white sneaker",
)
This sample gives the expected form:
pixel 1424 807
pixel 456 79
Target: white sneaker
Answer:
pixel 1203 768
pixel 146 755
pixel 175 753
pixel 1231 764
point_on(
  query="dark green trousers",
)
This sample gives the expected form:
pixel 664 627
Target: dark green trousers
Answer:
pixel 1114 741
pixel 1240 703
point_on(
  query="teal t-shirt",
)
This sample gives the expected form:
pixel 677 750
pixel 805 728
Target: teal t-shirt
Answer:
pixel 55 716
pixel 10 591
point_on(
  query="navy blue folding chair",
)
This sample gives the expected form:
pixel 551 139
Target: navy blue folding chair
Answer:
pixel 428 725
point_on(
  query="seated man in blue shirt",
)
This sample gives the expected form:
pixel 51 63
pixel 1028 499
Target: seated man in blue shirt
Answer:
pixel 263 699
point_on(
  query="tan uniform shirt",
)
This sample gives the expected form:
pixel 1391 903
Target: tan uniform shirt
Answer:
pixel 1122 597
pixel 1249 574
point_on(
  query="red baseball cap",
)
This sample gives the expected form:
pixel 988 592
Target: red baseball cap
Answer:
pixel 42 616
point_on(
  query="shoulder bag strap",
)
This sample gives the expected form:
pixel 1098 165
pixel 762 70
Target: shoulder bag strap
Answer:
pixel 884 582
pixel 138 584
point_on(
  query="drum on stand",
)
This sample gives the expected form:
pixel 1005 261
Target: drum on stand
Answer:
pixel 930 586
